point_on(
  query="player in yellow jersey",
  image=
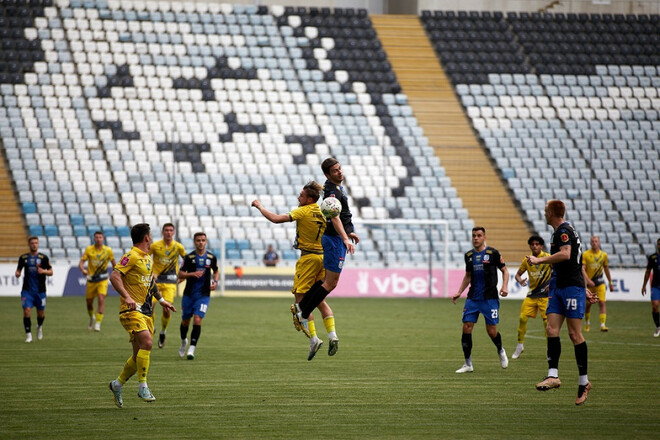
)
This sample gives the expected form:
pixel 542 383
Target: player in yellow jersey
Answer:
pixel 594 266
pixel 97 257
pixel 133 279
pixel 310 225
pixel 166 253
pixel 537 297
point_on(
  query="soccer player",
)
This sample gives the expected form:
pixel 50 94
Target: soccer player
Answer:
pixel 310 224
pixel 653 264
pixel 37 268
pixel 337 239
pixel 97 256
pixel 133 279
pixel 166 253
pixel 537 297
pixel 481 265
pixel 566 298
pixel 594 265
pixel 200 270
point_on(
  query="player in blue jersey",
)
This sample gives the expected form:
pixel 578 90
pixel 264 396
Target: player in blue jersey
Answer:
pixel 37 268
pixel 653 265
pixel 338 239
pixel 567 298
pixel 481 266
pixel 200 270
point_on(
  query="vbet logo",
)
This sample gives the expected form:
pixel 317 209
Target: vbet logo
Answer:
pixel 367 282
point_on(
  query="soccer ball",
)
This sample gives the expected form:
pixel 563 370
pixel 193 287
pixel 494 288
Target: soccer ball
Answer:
pixel 330 207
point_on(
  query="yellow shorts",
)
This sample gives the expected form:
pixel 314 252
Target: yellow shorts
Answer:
pixel 600 291
pixel 136 322
pixel 168 292
pixel 531 306
pixel 309 270
pixel 95 289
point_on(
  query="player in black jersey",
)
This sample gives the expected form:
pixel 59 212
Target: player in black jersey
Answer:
pixel 567 298
pixel 653 265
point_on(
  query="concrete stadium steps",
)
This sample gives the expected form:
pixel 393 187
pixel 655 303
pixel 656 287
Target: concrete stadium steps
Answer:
pixel 12 230
pixel 441 116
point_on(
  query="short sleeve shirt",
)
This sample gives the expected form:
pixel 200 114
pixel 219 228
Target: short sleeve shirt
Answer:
pixel 567 273
pixel 97 262
pixel 482 267
pixel 136 268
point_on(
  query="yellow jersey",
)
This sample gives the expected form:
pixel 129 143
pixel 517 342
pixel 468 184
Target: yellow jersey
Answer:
pixel 594 263
pixel 136 269
pixel 97 262
pixel 166 260
pixel 310 224
pixel 539 276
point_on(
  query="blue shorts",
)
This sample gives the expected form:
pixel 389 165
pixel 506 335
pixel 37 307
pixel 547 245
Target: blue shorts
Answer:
pixel 334 253
pixel 490 308
pixel 655 293
pixel 194 305
pixel 568 301
pixel 29 300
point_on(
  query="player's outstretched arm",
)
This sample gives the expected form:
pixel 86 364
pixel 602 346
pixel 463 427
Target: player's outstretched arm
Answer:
pixel 271 216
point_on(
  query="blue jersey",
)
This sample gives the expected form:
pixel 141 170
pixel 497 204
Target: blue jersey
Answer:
pixel 482 267
pixel 33 282
pixel 192 263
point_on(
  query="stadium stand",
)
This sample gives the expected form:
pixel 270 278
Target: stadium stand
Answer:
pixel 114 113
pixel 567 106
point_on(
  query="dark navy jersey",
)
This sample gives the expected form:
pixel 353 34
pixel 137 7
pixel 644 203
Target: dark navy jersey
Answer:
pixel 192 263
pixel 569 272
pixel 653 264
pixel 338 191
pixel 482 267
pixel 32 281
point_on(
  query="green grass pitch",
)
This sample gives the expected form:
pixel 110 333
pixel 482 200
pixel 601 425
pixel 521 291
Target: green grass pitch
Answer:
pixel 393 376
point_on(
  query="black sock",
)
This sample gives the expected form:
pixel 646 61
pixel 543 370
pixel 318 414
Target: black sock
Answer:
pixel 656 318
pixel 307 299
pixel 554 351
pixel 466 342
pixel 317 298
pixel 183 329
pixel 581 357
pixel 27 323
pixel 40 320
pixel 194 335
pixel 497 340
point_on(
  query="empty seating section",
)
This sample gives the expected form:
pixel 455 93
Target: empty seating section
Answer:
pixel 568 108
pixel 114 113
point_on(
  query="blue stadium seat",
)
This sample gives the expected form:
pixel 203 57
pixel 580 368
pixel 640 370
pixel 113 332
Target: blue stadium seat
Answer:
pixel 29 208
pixel 109 230
pixel 36 230
pixel 123 231
pixel 51 231
pixel 233 254
pixel 289 254
pixel 79 231
pixel 76 219
pixel 242 244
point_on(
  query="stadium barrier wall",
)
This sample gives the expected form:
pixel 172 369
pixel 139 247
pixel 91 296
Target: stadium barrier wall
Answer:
pixel 67 280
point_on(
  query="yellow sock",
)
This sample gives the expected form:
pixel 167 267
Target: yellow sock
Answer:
pixel 602 317
pixel 130 367
pixel 587 317
pixel 165 321
pixel 522 328
pixel 143 364
pixel 90 312
pixel 329 322
pixel 545 327
pixel 312 328
pixel 99 318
